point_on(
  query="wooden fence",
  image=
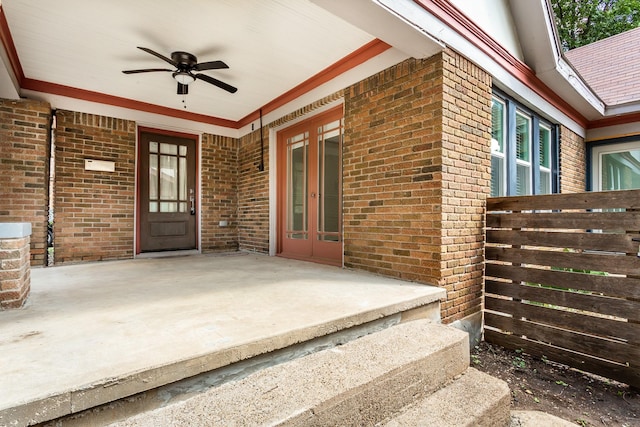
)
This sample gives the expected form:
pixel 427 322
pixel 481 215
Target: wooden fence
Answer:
pixel 562 279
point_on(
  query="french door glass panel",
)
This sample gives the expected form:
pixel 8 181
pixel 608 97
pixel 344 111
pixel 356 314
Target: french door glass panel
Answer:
pixel 297 177
pixel 329 160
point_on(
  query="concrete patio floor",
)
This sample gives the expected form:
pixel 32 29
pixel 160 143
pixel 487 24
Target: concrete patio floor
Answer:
pixel 91 332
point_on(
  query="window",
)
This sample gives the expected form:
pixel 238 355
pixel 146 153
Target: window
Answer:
pixel 522 151
pixel 498 161
pixel 616 166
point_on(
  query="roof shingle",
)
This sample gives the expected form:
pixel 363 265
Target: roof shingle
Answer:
pixel 611 67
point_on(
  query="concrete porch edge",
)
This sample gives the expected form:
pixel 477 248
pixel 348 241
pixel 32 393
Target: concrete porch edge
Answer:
pixel 106 389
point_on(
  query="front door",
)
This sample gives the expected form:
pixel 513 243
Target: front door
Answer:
pixel 167 197
pixel 310 189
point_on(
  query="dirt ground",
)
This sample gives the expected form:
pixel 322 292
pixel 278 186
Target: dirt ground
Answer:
pixel 541 385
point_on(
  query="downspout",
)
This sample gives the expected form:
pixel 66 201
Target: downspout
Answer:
pixel 51 181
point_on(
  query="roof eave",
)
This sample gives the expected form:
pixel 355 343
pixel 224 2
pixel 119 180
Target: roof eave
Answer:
pixel 541 48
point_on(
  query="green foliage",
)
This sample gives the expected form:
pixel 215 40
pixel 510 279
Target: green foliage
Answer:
pixel 582 22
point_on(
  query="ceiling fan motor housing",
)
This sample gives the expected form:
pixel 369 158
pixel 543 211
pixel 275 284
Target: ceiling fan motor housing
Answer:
pixel 185 60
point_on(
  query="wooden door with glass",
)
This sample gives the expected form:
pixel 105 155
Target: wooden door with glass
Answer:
pixel 167 192
pixel 310 189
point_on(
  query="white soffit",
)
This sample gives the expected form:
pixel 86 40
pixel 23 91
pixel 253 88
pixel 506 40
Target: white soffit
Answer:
pixel 375 18
pixel 8 82
pixel 271 47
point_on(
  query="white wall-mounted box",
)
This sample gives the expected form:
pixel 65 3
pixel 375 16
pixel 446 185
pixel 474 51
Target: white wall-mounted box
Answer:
pixel 99 165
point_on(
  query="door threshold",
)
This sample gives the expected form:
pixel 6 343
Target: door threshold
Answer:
pixel 317 260
pixel 167 254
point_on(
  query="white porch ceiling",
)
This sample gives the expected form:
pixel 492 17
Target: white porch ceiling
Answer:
pixel 271 46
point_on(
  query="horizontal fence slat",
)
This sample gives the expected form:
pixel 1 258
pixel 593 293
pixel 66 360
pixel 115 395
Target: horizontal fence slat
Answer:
pixel 585 241
pixel 577 322
pixel 615 286
pixel 566 220
pixel 629 199
pixel 626 374
pixel 610 263
pixel 594 303
pixel 614 351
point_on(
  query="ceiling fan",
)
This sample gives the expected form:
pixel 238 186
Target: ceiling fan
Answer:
pixel 185 64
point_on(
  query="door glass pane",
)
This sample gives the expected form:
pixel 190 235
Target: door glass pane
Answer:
pixel 153 176
pixel 297 186
pixel 168 207
pixel 168 177
pixel 168 148
pixel 329 182
pixel 153 147
pixel 621 171
pixel 182 177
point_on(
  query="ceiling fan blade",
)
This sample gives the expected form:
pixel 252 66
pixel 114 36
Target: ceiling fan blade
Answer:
pixel 183 89
pixel 216 82
pixel 211 65
pixel 157 55
pixel 146 70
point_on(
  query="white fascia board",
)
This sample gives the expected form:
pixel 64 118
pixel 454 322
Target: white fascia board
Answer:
pixel 612 132
pixel 620 109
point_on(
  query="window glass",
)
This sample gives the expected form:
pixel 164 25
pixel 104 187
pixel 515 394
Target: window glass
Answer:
pixel 498 164
pixel 523 155
pixel 621 170
pixel 544 148
pixel 517 160
pixel 523 140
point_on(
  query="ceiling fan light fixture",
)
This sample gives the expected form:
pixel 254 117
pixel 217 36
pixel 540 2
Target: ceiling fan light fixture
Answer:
pixel 183 77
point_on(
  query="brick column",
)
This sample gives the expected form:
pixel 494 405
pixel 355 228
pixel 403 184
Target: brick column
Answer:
pixel 15 267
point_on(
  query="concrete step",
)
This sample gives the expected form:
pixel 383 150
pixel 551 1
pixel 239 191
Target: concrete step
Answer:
pixel 473 399
pixel 362 382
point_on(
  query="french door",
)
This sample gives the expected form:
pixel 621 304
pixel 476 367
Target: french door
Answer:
pixel 310 189
pixel 167 192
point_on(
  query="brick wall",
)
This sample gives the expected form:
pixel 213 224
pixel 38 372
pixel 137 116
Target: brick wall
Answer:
pixel 392 171
pixel 15 274
pixel 24 169
pixel 253 193
pixel 94 211
pixel 219 193
pixel 466 183
pixel 416 175
pixel 573 162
